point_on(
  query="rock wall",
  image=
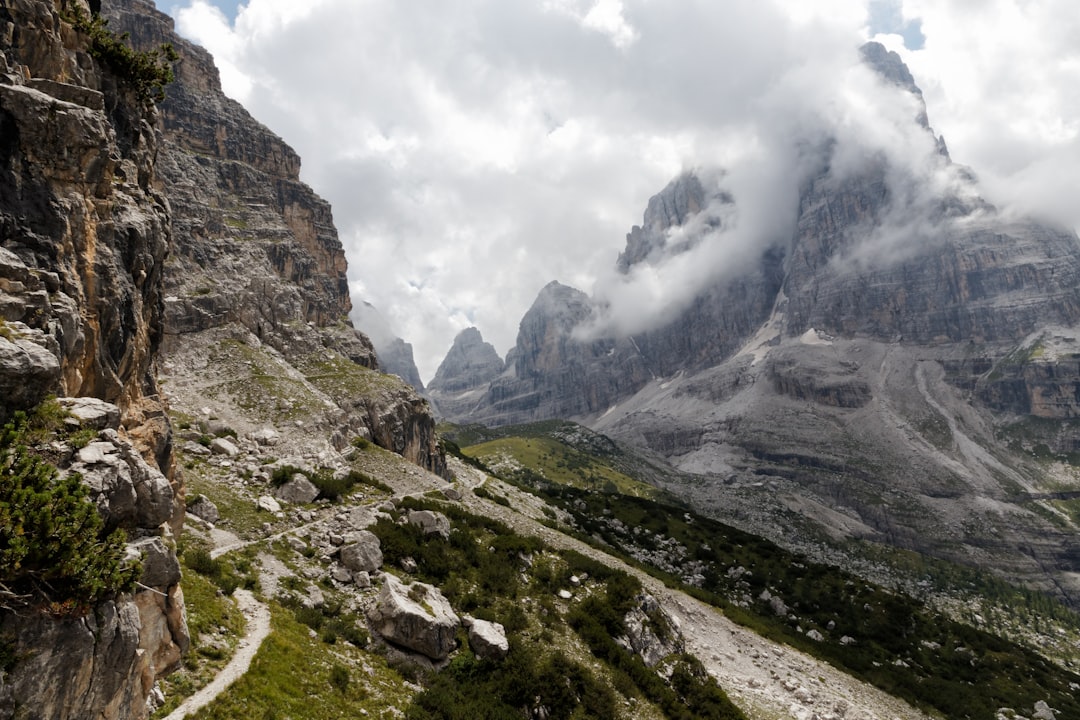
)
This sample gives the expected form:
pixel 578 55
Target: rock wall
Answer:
pixel 257 258
pixel 84 236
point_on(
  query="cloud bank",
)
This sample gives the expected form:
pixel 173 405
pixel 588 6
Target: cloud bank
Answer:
pixel 474 150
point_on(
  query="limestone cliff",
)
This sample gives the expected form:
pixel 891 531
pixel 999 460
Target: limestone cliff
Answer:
pixel 258 268
pixel 84 236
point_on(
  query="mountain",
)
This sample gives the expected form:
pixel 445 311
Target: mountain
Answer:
pixel 394 354
pixel 167 276
pixel 899 370
pixel 257 277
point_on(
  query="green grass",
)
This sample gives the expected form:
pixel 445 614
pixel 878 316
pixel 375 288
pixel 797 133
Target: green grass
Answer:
pixel 888 626
pixel 338 376
pixel 237 509
pixel 297 676
pixel 556 462
pixel 207 611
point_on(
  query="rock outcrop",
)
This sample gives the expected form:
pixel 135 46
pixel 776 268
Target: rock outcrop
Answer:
pixel 84 235
pixel 258 275
pixel 416 617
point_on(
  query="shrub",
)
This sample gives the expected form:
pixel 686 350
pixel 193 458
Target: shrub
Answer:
pixel 54 546
pixel 339 678
pixel 146 72
pixel 284 473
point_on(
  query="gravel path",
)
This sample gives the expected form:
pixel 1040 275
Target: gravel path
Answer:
pixel 258 627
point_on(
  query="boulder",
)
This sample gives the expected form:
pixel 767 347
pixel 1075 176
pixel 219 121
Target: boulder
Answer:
pixel 430 522
pixel 265 436
pixel 267 503
pixel 91 412
pixel 651 632
pixel 160 567
pixel 365 555
pixel 28 373
pixel 224 446
pixel 193 448
pixel 201 506
pixel 297 490
pixel 488 640
pixel 416 617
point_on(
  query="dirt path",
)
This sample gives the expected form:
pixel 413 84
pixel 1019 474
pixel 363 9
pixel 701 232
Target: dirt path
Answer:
pixel 258 627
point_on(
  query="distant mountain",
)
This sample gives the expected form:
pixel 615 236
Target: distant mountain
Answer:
pixel 394 354
pixel 885 373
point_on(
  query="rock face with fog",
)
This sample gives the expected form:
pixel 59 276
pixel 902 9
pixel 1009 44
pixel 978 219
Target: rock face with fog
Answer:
pixel 885 371
pixel 84 235
pixel 257 279
pixel 394 354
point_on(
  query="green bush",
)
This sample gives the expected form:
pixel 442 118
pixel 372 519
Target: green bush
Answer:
pixel 146 72
pixel 55 550
pixel 339 678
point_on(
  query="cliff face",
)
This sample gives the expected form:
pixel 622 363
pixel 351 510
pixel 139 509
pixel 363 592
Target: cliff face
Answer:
pixel 885 372
pixel 258 268
pixel 83 242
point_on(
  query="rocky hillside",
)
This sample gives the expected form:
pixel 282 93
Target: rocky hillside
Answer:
pixel 257 278
pixel 900 370
pixel 143 246
pixel 84 235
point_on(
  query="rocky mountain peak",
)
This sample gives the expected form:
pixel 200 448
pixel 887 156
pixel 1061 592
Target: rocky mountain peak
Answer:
pixel 470 363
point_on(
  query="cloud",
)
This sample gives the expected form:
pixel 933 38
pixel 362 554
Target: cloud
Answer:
pixel 475 150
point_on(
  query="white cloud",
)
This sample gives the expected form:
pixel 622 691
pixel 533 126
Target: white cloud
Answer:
pixel 475 150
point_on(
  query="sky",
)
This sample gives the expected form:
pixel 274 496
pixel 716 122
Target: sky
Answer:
pixel 475 150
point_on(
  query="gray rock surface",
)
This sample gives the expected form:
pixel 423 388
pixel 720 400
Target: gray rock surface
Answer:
pixel 416 617
pixel 364 554
pixel 298 489
pixel 488 639
pixel 469 366
pixel 431 522
pixel 202 507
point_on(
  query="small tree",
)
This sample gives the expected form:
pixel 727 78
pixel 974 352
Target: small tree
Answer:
pixel 55 551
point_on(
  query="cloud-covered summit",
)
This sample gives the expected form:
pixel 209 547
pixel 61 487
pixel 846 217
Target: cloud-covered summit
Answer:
pixel 474 150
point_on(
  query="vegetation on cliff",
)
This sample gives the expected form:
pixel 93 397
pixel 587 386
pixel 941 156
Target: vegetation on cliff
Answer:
pixel 55 550
pixel 147 72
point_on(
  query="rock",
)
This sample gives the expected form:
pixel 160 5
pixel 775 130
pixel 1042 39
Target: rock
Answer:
pixel 193 448
pixel 160 566
pixel 91 412
pixel 431 522
pixel 470 364
pixel 224 446
pixel 341 574
pixel 267 503
pixel 314 598
pixel 296 543
pixel 28 372
pixel 565 594
pixel 451 493
pixel 408 565
pixel 651 632
pixel 365 555
pixel 265 436
pixel 847 640
pixel 488 640
pixel 415 616
pixel 362 579
pixel 297 490
pixel 1044 712
pixel 202 507
pixel 815 635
